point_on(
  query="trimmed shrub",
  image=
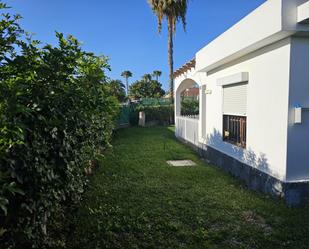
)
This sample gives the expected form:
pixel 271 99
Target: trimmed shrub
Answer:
pixel 161 114
pixel 133 115
pixel 56 116
pixel 189 106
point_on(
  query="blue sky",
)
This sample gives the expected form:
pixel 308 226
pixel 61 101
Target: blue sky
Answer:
pixel 126 30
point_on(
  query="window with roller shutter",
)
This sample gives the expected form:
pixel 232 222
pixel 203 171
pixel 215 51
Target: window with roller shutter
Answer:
pixel 234 114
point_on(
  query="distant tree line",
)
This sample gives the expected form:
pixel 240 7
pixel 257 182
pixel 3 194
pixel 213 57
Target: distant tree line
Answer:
pixel 146 87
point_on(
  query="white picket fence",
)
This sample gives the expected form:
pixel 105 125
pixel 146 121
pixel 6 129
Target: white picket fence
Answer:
pixel 187 128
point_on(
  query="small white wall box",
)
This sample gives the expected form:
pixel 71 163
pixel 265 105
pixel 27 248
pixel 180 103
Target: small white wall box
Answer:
pixel 297 114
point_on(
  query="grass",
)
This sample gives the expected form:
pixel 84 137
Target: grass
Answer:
pixel 135 200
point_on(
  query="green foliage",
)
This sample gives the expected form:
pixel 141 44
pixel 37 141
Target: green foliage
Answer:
pixel 146 88
pixel 173 11
pixel 189 106
pixel 117 89
pixel 155 101
pixel 10 31
pixel 56 115
pixel 124 116
pixel 133 114
pixel 127 74
pixel 156 74
pixel 7 188
pixel 156 113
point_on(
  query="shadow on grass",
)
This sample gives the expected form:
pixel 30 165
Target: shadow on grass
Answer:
pixel 135 200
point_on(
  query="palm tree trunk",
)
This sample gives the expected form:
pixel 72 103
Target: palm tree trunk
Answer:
pixel 171 64
pixel 127 86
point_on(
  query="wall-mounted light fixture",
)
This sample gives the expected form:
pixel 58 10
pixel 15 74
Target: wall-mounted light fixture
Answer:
pixel 297 114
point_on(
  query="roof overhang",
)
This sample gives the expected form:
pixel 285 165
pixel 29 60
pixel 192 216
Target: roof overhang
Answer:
pixel 303 13
pixel 185 68
pixel 272 21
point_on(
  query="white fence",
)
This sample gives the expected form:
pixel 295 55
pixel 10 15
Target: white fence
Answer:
pixel 187 128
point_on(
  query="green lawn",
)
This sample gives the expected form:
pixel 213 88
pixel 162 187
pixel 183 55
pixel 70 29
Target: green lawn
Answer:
pixel 135 200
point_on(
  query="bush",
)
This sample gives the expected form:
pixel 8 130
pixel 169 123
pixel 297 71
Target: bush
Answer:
pixel 55 116
pixel 189 106
pixel 133 114
pixel 161 114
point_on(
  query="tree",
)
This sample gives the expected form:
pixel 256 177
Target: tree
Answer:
pixel 127 75
pixel 10 31
pixel 157 74
pixel 172 11
pixel 146 88
pixel 147 77
pixel 155 90
pixel 117 89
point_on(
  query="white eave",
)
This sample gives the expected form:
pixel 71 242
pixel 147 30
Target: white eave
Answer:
pixel 272 21
pixel 303 13
pixel 233 79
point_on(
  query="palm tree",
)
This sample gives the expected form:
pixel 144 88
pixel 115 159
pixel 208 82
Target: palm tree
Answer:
pixel 117 89
pixel 156 74
pixel 173 11
pixel 147 77
pixel 127 75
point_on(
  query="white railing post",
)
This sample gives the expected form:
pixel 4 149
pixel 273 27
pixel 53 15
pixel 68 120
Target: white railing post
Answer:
pixel 185 124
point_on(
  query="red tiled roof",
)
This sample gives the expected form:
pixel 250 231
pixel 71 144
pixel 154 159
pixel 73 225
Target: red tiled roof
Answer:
pixel 191 92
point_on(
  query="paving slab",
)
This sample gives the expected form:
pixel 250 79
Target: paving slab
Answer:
pixel 181 163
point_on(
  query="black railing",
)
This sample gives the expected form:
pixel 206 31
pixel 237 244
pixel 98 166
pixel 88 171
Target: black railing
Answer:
pixel 235 130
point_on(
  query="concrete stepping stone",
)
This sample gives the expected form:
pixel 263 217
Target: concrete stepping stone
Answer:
pixel 181 163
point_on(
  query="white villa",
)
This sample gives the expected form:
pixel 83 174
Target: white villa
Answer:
pixel 254 100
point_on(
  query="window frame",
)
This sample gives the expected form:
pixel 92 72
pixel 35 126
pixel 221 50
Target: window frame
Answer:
pixel 234 135
pixel 234 129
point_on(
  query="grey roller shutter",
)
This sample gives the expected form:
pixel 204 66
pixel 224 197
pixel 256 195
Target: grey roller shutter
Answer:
pixel 235 99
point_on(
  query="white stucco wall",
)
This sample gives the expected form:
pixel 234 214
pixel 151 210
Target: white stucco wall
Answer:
pixel 273 48
pixel 267 111
pixel 185 81
pixel 303 13
pixel 291 9
pixel 298 134
pixel 192 74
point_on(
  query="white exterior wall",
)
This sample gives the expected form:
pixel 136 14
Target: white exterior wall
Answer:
pixel 270 45
pixel 185 81
pixel 186 128
pixel 298 134
pixel 193 75
pixel 267 114
pixel 303 13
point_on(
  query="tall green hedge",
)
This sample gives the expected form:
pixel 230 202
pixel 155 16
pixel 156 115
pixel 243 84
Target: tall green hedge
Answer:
pixel 56 115
pixel 161 114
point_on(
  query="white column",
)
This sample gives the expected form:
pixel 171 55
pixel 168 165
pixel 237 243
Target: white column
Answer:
pixel 177 103
pixel 202 113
